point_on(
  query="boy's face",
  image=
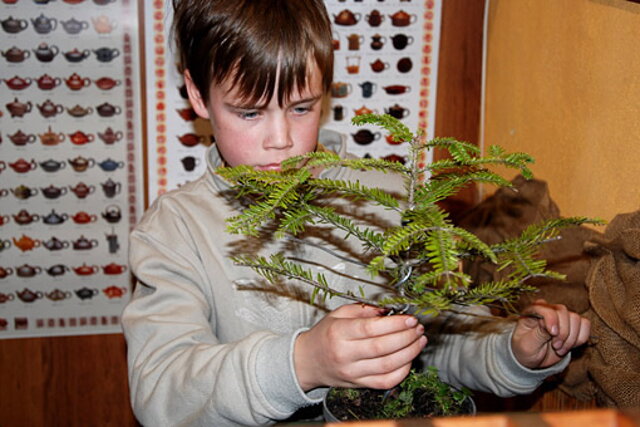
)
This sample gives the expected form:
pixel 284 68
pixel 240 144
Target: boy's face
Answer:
pixel 261 135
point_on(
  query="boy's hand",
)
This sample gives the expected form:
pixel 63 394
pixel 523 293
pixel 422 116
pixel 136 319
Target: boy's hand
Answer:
pixel 540 343
pixel 354 346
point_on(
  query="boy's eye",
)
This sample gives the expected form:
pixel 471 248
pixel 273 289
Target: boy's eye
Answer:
pixel 301 109
pixel 248 115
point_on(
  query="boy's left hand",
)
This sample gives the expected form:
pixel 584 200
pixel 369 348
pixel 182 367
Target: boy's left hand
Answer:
pixel 540 343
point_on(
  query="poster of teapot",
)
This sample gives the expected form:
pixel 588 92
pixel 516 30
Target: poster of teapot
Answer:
pixel 71 170
pixel 386 61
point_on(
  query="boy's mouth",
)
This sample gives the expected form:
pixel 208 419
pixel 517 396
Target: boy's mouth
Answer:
pixel 269 167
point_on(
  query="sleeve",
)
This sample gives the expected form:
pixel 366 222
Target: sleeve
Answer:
pixel 179 372
pixel 472 352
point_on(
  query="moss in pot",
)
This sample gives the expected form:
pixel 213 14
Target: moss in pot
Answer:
pixel 416 261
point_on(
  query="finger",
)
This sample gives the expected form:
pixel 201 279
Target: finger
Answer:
pixel 571 339
pixel 379 346
pixel 357 310
pixel 386 381
pixel 360 328
pixel 387 364
pixel 585 331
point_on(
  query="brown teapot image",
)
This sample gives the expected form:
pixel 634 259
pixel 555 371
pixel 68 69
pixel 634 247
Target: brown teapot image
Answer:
pixel 402 19
pixel 396 89
pixel 111 188
pixel 55 244
pixel 102 24
pixel 4 219
pixel 187 114
pixel 23 166
pixel 53 192
pixel 75 82
pixel 24 217
pixel 46 82
pixel 86 270
pixel 107 110
pixel 84 218
pixel 19 109
pixel 190 139
pixel 78 111
pixel 20 138
pixel 113 268
pixel 57 270
pixel 395 158
pixel 23 192
pixel 84 244
pixel 5 297
pixel 112 214
pixel 375 18
pixel 81 164
pixel 4 244
pixel 49 109
pixel 27 270
pixel 76 55
pixel 82 190
pixel 26 243
pixel 109 136
pixel 80 138
pixel 115 291
pixel 107 83
pixel 52 165
pixel 28 296
pixel 346 18
pixel 5 272
pixel 13 26
pixel 86 293
pixel 363 110
pixel 45 53
pixel 365 136
pixel 15 54
pixel 18 83
pixel 51 138
pixel 397 111
pixel 58 295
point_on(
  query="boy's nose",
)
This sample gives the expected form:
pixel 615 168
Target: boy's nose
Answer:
pixel 279 136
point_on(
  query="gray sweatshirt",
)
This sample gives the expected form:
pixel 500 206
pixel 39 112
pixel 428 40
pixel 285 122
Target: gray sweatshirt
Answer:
pixel 209 344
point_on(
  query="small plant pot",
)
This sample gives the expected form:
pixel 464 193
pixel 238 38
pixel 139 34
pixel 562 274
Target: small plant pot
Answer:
pixel 336 414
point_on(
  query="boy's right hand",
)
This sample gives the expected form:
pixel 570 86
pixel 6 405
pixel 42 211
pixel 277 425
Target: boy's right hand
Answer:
pixel 355 346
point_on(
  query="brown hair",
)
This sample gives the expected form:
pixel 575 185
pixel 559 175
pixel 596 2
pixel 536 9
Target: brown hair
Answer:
pixel 250 41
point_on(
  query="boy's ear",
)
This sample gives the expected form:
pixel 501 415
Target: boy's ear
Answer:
pixel 198 104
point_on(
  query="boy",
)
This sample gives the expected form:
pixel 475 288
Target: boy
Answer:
pixel 204 350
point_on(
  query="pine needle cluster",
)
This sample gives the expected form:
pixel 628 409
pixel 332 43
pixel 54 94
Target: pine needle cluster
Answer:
pixel 422 256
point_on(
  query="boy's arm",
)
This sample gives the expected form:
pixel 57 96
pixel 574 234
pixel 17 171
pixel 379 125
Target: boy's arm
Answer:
pixel 179 371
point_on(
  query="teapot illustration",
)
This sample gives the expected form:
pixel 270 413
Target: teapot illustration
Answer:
pixel 84 244
pixel 18 109
pixel 5 272
pixel 57 270
pixel 80 138
pixel 395 158
pixel 53 192
pixel 46 53
pixel 53 218
pixel 44 25
pixel 187 114
pixel 81 164
pixel 365 136
pixel 49 109
pixel 55 244
pixel 23 166
pixel 378 65
pixel 396 89
pixel 397 111
pixel 46 82
pixel 103 2
pixel 4 219
pixel 363 110
pixel 20 138
pixel 340 89
pixel 111 188
pixel 51 138
pixel 13 26
pixel 75 82
pixel 52 165
pixel 82 190
pixel 402 19
pixel 115 291
pixel 15 54
pixel 109 136
pixel 78 111
pixel 346 18
pixel 112 241
pixel 86 270
pixel 86 293
pixel 23 192
pixel 28 296
pixel 76 55
pixel 375 18
pixel 107 83
pixel 27 270
pixel 190 139
pixel 73 26
pixel 58 295
pixel 84 218
pixel 113 268
pixel 377 41
pixel 107 110
pixel 109 165
pixel 26 243
pixel 5 297
pixel 106 54
pixel 368 88
pixel 5 244
pixel 24 217
pixel 18 83
pixel 112 214
pixel 102 24
pixel 404 65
